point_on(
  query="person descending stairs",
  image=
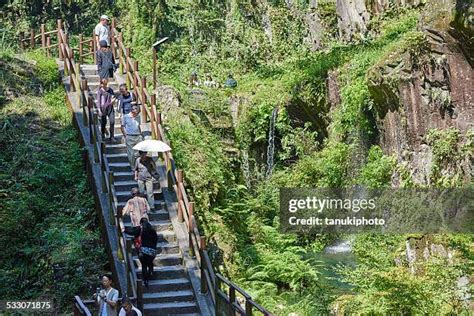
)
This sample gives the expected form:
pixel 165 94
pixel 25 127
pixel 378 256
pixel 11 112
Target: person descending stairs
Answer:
pixel 169 290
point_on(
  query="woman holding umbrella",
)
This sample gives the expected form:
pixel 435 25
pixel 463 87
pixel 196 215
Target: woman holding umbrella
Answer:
pixel 145 172
pixel 145 168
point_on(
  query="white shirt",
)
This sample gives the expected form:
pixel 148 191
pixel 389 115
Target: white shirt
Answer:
pixel 122 311
pixel 131 124
pixel 103 32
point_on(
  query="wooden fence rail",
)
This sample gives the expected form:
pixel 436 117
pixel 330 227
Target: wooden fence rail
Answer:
pixel 227 297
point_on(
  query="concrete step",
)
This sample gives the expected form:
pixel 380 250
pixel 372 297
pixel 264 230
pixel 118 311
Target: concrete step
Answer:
pixel 116 148
pixel 89 70
pixel 163 248
pixel 167 248
pixel 160 215
pixel 163 260
pixel 171 284
pixel 123 175
pixel 127 185
pixel 120 167
pixel 124 196
pixel 166 236
pixel 173 308
pixel 92 76
pixel 119 157
pixel 165 272
pixel 159 226
pixel 168 297
pixel 159 206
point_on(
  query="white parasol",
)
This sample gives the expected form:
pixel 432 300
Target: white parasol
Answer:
pixel 152 145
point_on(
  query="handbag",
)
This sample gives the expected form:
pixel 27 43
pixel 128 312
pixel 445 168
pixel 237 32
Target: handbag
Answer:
pixel 148 251
pixel 137 242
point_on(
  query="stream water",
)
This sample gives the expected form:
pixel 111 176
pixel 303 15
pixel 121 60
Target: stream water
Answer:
pixel 271 142
pixel 335 255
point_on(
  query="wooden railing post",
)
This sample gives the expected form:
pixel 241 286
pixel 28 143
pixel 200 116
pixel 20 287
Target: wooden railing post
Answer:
pixel 232 300
pixel 77 77
pixel 81 39
pixel 140 294
pixel 83 103
pixel 43 36
pixel 180 195
pixel 158 118
pixel 90 108
pixel 135 77
pixel 112 219
pixel 59 23
pixel 154 126
pixel 248 308
pixel 143 89
pixel 48 46
pixel 204 267
pixel 154 67
pixel 127 66
pixel 32 38
pixel 96 137
pixel 65 67
pixel 218 286
pixel 103 148
pixel 158 123
pixel 120 40
pixel 128 250
pixel 190 228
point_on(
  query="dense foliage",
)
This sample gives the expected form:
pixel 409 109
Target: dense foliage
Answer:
pixel 264 44
pixel 51 246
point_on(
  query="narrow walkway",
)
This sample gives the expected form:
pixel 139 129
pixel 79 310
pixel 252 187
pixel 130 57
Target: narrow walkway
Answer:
pixel 170 291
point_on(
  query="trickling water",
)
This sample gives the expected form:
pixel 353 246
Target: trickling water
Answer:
pixel 246 167
pixel 271 142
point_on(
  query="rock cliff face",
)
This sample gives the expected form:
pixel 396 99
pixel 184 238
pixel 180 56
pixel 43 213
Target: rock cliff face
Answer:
pixel 416 95
pixel 352 18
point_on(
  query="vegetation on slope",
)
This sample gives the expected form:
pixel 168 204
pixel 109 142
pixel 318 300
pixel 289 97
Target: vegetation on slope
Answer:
pixel 49 227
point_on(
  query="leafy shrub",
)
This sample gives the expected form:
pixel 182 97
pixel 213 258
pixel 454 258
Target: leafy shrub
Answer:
pixel 378 170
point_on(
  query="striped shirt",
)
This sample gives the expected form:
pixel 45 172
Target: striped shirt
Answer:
pixel 137 207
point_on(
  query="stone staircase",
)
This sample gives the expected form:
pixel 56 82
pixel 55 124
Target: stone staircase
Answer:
pixel 169 291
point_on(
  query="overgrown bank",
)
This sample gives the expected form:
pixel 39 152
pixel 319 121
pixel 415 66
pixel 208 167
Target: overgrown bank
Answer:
pixel 50 230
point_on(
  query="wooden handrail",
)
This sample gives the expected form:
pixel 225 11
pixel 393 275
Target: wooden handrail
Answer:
pixel 210 280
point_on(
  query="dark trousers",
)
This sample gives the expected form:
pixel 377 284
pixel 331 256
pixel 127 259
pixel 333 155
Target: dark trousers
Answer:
pixel 147 266
pixel 103 123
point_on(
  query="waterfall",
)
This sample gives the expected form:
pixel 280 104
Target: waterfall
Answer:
pixel 246 167
pixel 271 142
pixel 342 246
